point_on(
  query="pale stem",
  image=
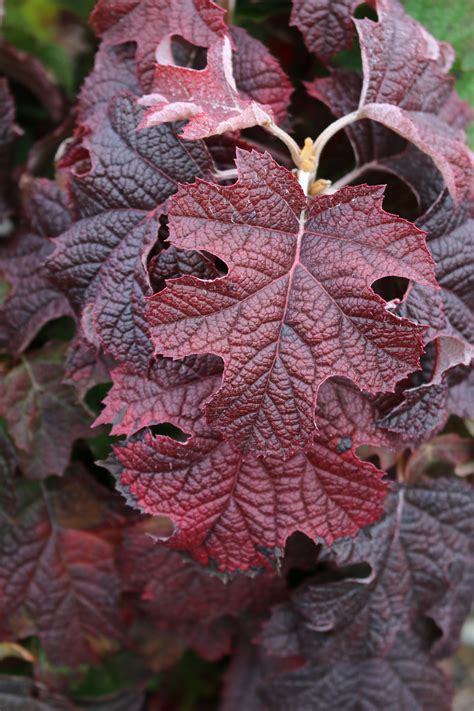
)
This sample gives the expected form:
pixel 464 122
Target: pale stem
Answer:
pixel 230 174
pixel 328 133
pixel 289 142
pixel 304 179
pixel 352 175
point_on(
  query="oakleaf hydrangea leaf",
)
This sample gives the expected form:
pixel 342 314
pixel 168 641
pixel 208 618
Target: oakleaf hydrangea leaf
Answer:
pixel 258 74
pixel 208 98
pixel 406 87
pixel 57 572
pixel 409 579
pixel 147 22
pixel 326 25
pixel 32 298
pixel 405 679
pixel 247 507
pixel 43 416
pixel 100 262
pixel 179 597
pixel 296 306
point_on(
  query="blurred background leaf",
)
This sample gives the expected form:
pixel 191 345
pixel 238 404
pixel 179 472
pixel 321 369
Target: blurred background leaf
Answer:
pixel 54 31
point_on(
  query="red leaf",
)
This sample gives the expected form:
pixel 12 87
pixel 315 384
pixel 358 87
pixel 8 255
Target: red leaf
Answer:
pixel 326 25
pixel 114 73
pixel 421 414
pixel 461 392
pixel 57 574
pixel 147 22
pixel 406 87
pixel 32 299
pixel 100 261
pixel 43 416
pixel 406 679
pixel 258 74
pixel 233 512
pixel 208 98
pixel 371 142
pixel 84 366
pixel 450 239
pixel 181 597
pixel 167 393
pixel 296 306
pixel 171 263
pixel 345 626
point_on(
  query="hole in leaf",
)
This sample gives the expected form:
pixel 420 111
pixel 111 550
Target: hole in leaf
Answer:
pixel 186 54
pixel 220 265
pixel 367 454
pixel 62 329
pixel 364 10
pixel 95 396
pixel 167 429
pixel 427 631
pixel 161 528
pixel 359 571
pixel 399 198
pixel 391 287
pixel 427 366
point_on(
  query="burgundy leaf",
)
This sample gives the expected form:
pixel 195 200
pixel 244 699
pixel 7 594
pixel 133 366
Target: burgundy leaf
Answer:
pixel 250 506
pixel 450 239
pixel 179 596
pixel 57 574
pixel 32 299
pixel 114 72
pixel 421 414
pixel 406 87
pixel 326 25
pixel 409 579
pixel 147 22
pixel 100 262
pixel 208 98
pixel 406 679
pixel 172 263
pixel 461 391
pixel 85 366
pixel 44 417
pixel 449 315
pixel 296 306
pixel 378 148
pixel 258 75
pixel 245 676
pixel 371 142
pixel 168 393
